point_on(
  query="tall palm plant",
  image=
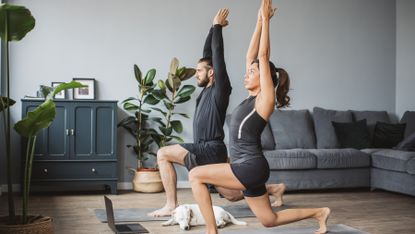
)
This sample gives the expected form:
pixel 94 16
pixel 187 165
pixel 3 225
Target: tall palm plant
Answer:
pixel 15 23
pixel 35 121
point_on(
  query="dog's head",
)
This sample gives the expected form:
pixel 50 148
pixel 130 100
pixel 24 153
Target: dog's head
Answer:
pixel 183 215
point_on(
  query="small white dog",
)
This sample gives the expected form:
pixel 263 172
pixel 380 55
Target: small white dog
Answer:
pixel 189 215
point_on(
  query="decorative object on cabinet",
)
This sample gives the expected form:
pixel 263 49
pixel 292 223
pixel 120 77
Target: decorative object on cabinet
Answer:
pixel 87 92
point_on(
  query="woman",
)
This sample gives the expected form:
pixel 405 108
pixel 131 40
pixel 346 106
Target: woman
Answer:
pixel 249 169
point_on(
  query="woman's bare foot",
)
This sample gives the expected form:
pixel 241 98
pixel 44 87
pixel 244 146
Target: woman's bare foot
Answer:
pixel 322 218
pixel 277 191
pixel 165 211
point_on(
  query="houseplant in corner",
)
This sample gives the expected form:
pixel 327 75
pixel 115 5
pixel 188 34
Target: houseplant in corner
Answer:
pixel 140 124
pixel 40 118
pixel 15 23
pixel 137 125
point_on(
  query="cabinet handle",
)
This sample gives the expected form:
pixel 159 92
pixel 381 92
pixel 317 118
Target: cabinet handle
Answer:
pixel 93 170
pixel 45 171
pixel 67 132
pixel 72 132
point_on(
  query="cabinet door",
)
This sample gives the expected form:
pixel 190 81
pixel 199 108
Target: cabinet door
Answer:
pixel 51 143
pixel 94 124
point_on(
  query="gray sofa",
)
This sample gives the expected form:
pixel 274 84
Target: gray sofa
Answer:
pixel 303 152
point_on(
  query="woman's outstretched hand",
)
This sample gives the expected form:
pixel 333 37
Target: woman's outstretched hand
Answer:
pixel 221 16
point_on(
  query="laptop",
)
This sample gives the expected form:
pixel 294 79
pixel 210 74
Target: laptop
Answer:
pixel 121 228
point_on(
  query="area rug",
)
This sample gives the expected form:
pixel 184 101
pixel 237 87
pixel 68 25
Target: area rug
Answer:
pixel 336 228
pixel 140 214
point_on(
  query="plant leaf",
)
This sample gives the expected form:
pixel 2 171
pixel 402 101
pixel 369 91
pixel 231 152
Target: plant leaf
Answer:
pixel 166 131
pixel 150 99
pixel 64 86
pixel 177 126
pixel 20 22
pixel 186 90
pixel 188 74
pixel 182 100
pixel 168 85
pixel 159 94
pixel 130 106
pixel 149 77
pixel 174 65
pixel 6 103
pixel 137 73
pixel 168 105
pixel 41 117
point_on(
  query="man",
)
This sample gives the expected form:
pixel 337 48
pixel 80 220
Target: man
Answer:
pixel 208 146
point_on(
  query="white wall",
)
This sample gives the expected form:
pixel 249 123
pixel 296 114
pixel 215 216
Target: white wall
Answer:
pixel 339 54
pixel 405 56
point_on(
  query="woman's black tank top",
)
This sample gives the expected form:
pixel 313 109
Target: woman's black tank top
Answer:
pixel 245 131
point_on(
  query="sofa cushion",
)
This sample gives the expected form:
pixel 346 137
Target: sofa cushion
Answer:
pixel 326 137
pixel 293 129
pixel 352 135
pixel 341 158
pixel 394 160
pixel 388 135
pixel 410 166
pixel 409 118
pixel 371 118
pixel 407 144
pixel 267 140
pixel 290 159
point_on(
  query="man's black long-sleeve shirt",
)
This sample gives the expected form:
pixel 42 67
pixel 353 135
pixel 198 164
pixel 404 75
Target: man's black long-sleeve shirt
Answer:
pixel 213 101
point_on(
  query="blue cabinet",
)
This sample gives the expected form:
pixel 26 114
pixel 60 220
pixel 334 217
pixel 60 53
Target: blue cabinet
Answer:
pixel 79 148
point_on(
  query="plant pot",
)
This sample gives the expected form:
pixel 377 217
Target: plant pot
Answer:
pixel 37 225
pixel 147 180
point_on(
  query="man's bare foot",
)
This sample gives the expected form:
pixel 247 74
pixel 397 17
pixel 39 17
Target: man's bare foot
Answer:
pixel 165 211
pixel 277 191
pixel 322 218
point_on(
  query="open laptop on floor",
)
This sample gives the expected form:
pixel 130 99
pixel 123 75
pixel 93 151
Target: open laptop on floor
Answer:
pixel 121 228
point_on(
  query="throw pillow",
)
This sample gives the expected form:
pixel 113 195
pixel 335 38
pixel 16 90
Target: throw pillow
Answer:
pixel 408 144
pixel 388 135
pixel 353 134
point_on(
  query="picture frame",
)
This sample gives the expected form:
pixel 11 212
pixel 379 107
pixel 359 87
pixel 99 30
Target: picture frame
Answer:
pixel 87 93
pixel 61 94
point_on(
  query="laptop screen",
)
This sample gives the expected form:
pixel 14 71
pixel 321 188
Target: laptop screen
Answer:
pixel 110 212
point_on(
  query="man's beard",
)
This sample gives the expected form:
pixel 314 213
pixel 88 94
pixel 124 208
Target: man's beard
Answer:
pixel 203 82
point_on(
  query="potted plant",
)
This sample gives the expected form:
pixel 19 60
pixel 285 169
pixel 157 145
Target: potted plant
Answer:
pixel 40 118
pixel 139 123
pixel 172 93
pixel 15 23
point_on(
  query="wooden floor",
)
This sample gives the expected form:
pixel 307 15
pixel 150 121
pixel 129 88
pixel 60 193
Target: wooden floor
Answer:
pixel 373 212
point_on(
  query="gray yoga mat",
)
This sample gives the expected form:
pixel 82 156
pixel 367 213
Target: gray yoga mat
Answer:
pixel 337 228
pixel 140 214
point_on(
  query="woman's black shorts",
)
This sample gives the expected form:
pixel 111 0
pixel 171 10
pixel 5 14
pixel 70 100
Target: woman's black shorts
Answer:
pixel 253 174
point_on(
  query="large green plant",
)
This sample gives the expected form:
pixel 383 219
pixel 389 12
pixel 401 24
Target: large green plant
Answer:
pixel 138 122
pixel 172 93
pixel 36 120
pixel 15 23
